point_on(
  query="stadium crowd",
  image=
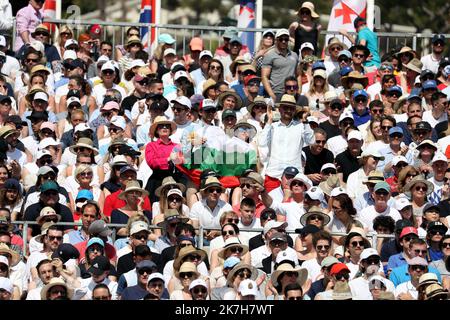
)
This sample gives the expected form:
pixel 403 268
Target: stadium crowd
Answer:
pixel 337 150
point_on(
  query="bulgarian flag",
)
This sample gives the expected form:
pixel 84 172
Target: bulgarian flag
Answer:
pixel 228 156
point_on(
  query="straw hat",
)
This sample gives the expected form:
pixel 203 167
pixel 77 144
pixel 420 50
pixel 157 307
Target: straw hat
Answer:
pixel 237 268
pixel 335 41
pixel 84 143
pixel 184 252
pixel 246 125
pixel 39 67
pixel 355 231
pixel 287 99
pixel 358 77
pixel 168 181
pixel 418 179
pixel 406 49
pixel 212 182
pixel 207 85
pixel 44 229
pixel 310 6
pixel 132 40
pixel 415 65
pixel 328 185
pixel 236 62
pixel 187 267
pixel 171 214
pixel 286 266
pixel 227 93
pixel 256 101
pixel 232 243
pixel 162 120
pixel 132 186
pixel 313 211
pixel 341 291
pixel 374 177
pixel 15 257
pixel 434 290
pixel 55 282
pixel 427 278
pixel 47 212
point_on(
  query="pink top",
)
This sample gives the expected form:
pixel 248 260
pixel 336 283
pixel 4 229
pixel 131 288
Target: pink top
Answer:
pixel 157 153
pixel 27 19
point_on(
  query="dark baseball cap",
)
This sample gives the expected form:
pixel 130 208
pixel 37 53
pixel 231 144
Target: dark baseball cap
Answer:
pixel 423 125
pixel 16 120
pixel 146 264
pixel 4 98
pixel 78 63
pixel 128 151
pixel 49 185
pixel 65 252
pixel 228 113
pixel 437 225
pixel 99 265
pixel 127 168
pixel 308 229
pixel 38 115
pixel 162 104
pixel 290 171
pixel 402 223
pixel 438 37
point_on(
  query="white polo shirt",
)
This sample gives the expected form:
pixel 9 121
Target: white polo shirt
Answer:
pixel 205 216
pixel 369 213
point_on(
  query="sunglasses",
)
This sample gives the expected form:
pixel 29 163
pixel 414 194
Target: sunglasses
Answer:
pixel 315 217
pixel 215 67
pixel 267 215
pixel 336 106
pixel 297 183
pixel 43 163
pixel 172 199
pixel 193 257
pixel 107 72
pixel 321 142
pixel 360 100
pixel 417 267
pixel 341 276
pixel 94 249
pixel 396 136
pixel 295 298
pixel 230 232
pixel 145 270
pixel 143 82
pixel 217 190
pixel 31 60
pixel 357 244
pixel 51 238
pixel 244 274
pixel 337 48
pixel 86 174
pixel 373 261
pixel 409 238
pixel 199 290
pixel 420 132
pixel 435 232
pixel 320 248
pixel 344 60
pixel 421 189
pixel 394 94
pixel 40 34
pixel 173 224
pixel 291 87
pixel 236 249
pixel 382 193
pixel 357 55
pixel 186 275
pixel 231 220
pixel 163 126
pixel 114 130
pixel 106 114
pixel 140 236
pixel 291 273
pixel 246 185
pixel 178 109
pixel 418 252
pixel 283 39
pixel 386 127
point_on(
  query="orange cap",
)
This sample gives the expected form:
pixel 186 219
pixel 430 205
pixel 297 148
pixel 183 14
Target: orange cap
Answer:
pixel 196 44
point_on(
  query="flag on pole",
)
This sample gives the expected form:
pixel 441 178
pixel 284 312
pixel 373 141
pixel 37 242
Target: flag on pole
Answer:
pixel 342 16
pixel 50 12
pixel 148 12
pixel 246 19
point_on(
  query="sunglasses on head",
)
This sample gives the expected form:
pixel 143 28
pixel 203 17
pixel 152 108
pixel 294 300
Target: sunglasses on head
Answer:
pixel 233 220
pixel 229 232
pixel 341 276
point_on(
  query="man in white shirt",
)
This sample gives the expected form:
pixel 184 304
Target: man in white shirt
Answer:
pixel 99 271
pixel 322 244
pixel 417 266
pixel 46 272
pixel 248 220
pixel 438 112
pixel 10 136
pixel 200 74
pixel 439 165
pixel 370 265
pixel 431 61
pixel 108 74
pixel 381 195
pixel 181 107
pixel 285 140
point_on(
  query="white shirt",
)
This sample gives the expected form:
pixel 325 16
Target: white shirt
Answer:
pixel 330 65
pixel 314 269
pixel 88 285
pixel 353 269
pixel 360 288
pixel 373 90
pixel 285 145
pixel 245 236
pixel 176 137
pixel 99 91
pixel 277 194
pixel 34 294
pixel 437 184
pixel 443 143
pixel 428 117
pixel 11 67
pixel 33 261
pixel 292 210
pixel 430 63
pixel 355 185
pixel 337 145
pixel 17 155
pixel 406 287
pixel 207 218
pixel 259 254
pixel 369 213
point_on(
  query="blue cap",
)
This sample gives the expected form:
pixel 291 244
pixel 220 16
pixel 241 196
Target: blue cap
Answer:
pixel 358 93
pixel 127 168
pixel 395 88
pixel 382 185
pixel 95 240
pixel 429 84
pixel 345 71
pixel 186 238
pixel 166 38
pixel 346 53
pixel 395 130
pixel 438 37
pixel 318 65
pixel 236 39
pixel 291 171
pixel 231 262
pixel 85 194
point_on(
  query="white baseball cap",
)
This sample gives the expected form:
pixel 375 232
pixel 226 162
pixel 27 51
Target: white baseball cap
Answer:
pixel 303 178
pixel 402 203
pixel 70 42
pixel 103 59
pixel 138 226
pixel 118 121
pixel 198 282
pixel 306 45
pixel 180 74
pixel 439 156
pixel 346 115
pixel 312 119
pixel 2 41
pixel 184 101
pixel 315 193
pixel 205 53
pixel 72 100
pixel 355 134
pixel 40 96
pixel 169 51
pixel 108 66
pixel 337 191
pixel 69 54
pixel 4 260
pixel 176 63
pixel 154 276
pixel 6 284
pixel 37 45
pixel 282 32
pixel 328 166
pixel 397 159
pixel 287 255
pixel 81 127
pixel 368 252
pixel 137 63
pixel 41 153
pixel 248 287
pixel 46 142
pixel 271 224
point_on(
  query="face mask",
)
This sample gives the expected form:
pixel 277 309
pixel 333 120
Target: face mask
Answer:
pixel 372 269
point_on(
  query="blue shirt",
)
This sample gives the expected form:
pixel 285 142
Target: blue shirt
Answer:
pixel 396 261
pixel 400 274
pixel 361 119
pixel 372 44
pixel 435 255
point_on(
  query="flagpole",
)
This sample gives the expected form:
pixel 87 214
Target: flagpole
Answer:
pixel 370 13
pixel 259 19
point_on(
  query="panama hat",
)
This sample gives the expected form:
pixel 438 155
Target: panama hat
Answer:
pixel 227 93
pixel 231 243
pixel 132 186
pixel 207 85
pixel 184 252
pixel 237 268
pixel 47 212
pixel 167 182
pixel 310 6
pixel 335 41
pixel 242 124
pixel 286 266
pixel 15 257
pixel 83 143
pixel 55 282
pixel 212 182
pixel 415 65
pixel 418 179
pixel 314 210
pixel 187 267
pixel 256 101
pixel 287 99
pixel 162 120
pixel 358 77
